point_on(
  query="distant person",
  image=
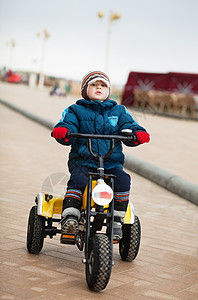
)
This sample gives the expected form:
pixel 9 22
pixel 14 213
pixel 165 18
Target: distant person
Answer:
pixel 9 73
pixel 67 88
pixel 57 90
pixel 96 114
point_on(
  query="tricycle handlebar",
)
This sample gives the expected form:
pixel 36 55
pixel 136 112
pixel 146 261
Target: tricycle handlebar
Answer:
pixel 131 137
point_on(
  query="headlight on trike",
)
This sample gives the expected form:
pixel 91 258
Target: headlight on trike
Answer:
pixel 102 194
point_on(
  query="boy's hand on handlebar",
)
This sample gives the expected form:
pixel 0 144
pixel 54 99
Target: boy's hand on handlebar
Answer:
pixel 142 137
pixel 60 133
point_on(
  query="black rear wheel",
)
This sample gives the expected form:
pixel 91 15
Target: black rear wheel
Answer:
pixel 130 242
pixel 35 231
pixel 98 267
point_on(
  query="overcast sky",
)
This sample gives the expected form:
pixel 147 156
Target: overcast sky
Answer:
pixel 151 36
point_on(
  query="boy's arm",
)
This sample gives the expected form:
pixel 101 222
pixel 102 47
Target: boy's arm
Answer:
pixel 68 122
pixel 128 122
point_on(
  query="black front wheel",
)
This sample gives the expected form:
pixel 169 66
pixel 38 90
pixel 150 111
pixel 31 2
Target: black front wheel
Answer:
pixel 35 231
pixel 130 242
pixel 98 266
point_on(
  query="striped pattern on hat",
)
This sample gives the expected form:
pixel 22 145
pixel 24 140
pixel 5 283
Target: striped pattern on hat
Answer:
pixel 90 77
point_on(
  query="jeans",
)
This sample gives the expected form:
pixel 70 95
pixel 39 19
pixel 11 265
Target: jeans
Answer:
pixel 78 179
pixel 78 182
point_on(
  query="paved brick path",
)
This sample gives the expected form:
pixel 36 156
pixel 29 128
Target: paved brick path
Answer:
pixel 167 264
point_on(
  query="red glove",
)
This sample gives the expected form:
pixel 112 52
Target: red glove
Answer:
pixel 142 137
pixel 60 133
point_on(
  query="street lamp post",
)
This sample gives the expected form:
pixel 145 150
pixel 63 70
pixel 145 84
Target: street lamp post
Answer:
pixel 11 44
pixel 45 36
pixel 112 17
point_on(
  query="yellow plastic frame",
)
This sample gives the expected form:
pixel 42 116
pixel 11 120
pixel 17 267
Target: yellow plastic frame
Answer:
pixel 52 208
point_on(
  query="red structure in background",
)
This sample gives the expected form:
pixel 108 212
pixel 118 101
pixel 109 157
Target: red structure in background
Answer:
pixel 12 77
pixel 184 83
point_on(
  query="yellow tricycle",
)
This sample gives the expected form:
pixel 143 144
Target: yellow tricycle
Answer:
pixel 95 235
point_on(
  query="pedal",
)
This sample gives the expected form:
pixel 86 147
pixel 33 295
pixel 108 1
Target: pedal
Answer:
pixel 68 239
pixel 115 241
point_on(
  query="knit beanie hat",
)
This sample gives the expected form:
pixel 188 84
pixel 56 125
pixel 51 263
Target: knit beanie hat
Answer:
pixel 92 77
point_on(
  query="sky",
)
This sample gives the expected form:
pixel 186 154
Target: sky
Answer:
pixel 151 36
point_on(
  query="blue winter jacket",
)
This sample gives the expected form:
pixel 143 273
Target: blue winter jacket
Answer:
pixel 96 118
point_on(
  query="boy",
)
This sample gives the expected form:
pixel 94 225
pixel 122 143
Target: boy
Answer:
pixel 95 114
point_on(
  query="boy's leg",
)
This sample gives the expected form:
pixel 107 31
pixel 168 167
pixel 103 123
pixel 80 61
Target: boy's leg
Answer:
pixel 121 199
pixel 73 200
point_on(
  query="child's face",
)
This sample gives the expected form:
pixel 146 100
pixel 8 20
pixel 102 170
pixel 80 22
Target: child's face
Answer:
pixel 98 91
